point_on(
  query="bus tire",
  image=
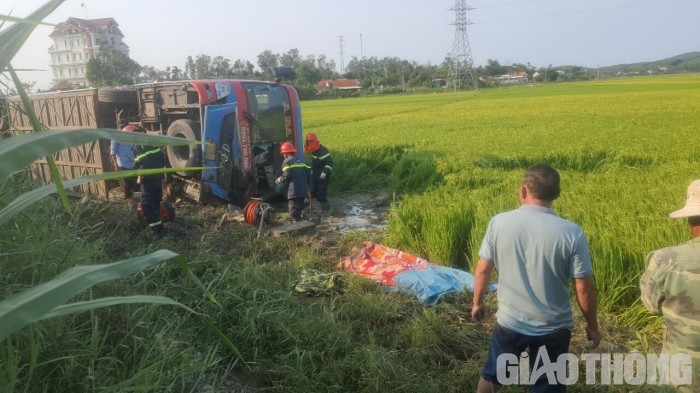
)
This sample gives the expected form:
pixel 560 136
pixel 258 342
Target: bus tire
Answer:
pixel 184 156
pixel 117 96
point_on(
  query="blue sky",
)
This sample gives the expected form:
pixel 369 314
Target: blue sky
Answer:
pixel 588 33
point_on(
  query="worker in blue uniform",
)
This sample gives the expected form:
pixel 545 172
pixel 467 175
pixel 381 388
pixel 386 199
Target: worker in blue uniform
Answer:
pixel 295 175
pixel 151 157
pixel 321 168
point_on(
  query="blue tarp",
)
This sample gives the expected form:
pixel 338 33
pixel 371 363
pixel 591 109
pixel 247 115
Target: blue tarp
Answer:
pixel 429 285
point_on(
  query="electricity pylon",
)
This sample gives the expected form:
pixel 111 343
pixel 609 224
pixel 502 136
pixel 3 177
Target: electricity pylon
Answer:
pixel 460 74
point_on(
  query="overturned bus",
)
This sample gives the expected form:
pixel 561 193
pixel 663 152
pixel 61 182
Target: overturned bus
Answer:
pixel 240 125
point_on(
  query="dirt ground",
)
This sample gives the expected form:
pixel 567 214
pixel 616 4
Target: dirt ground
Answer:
pixel 347 213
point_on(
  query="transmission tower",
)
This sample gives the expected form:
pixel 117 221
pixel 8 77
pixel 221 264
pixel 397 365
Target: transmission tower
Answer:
pixel 461 74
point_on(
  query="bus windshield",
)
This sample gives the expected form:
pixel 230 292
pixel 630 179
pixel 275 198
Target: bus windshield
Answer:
pixel 269 112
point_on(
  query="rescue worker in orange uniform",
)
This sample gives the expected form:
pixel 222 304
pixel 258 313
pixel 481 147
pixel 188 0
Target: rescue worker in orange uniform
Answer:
pixel 321 168
pixel 295 174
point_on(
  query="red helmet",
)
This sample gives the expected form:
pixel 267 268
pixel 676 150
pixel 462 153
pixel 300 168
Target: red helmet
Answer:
pixel 287 148
pixel 129 128
pixel 311 137
pixel 311 144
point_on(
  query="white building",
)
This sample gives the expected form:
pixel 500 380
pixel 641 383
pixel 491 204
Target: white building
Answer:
pixel 76 41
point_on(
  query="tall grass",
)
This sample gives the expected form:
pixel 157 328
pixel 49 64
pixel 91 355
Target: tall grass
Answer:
pixel 436 226
pixel 364 169
pixel 32 293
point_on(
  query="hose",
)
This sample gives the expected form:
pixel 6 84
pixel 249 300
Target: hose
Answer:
pixel 250 211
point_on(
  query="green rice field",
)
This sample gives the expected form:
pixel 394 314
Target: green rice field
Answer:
pixel 625 149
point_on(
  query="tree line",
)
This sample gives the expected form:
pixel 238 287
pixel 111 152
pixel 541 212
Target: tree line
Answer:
pixel 388 74
pixel 112 67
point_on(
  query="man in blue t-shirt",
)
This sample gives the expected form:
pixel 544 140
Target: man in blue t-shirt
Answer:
pixel 537 254
pixel 122 158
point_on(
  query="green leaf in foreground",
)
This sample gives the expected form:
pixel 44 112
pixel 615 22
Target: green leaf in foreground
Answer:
pixel 31 197
pixel 88 305
pixel 12 38
pixel 18 152
pixel 37 126
pixel 46 300
pixel 31 305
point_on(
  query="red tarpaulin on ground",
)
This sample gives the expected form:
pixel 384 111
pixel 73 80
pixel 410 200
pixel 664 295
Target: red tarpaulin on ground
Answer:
pixel 380 263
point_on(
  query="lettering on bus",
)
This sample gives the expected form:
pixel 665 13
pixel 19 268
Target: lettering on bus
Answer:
pixel 245 147
pixel 288 125
pixel 287 118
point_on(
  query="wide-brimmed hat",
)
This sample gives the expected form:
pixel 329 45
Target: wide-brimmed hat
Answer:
pixel 692 204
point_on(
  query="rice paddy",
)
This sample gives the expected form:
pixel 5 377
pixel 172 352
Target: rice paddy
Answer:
pixel 624 149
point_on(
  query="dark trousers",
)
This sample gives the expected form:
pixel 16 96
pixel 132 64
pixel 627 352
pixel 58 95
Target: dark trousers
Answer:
pixel 128 184
pixel 319 187
pixel 510 342
pixel 151 196
pixel 296 207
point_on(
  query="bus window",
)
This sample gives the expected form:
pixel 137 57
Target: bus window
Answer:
pixel 268 112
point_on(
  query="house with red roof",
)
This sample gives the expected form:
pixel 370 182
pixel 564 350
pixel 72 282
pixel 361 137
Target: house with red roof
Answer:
pixel 513 78
pixel 340 84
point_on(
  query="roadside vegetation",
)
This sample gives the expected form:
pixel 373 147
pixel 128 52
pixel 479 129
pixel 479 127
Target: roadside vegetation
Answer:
pixel 449 161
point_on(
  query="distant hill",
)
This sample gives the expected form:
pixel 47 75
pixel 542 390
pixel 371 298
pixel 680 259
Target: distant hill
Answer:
pixel 687 62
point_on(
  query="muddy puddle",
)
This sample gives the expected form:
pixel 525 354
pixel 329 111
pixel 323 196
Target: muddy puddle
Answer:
pixel 347 213
pixel 361 212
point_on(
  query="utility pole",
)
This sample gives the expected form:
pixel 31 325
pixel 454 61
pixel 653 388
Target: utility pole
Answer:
pixel 361 55
pixel 461 74
pixel 342 61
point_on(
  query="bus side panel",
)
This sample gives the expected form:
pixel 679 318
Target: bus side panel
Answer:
pixel 296 119
pixel 244 137
pixel 70 110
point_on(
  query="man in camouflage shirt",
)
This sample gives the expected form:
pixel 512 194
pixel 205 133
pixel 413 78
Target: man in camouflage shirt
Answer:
pixel 671 287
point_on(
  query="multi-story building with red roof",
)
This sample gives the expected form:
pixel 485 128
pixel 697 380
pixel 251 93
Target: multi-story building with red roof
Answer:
pixel 76 41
